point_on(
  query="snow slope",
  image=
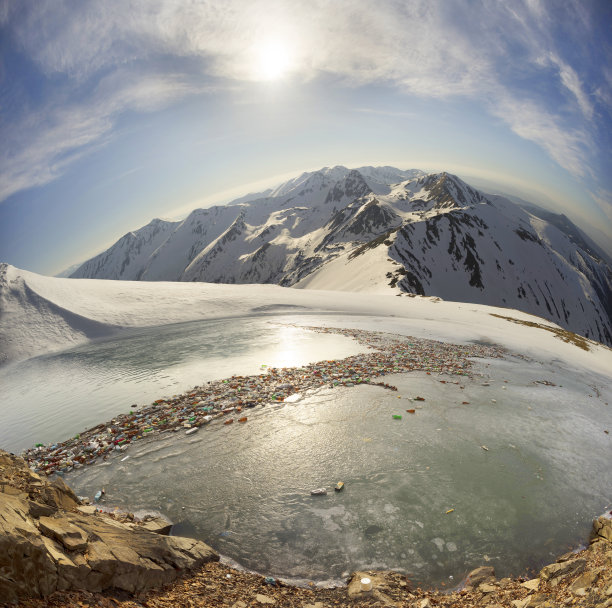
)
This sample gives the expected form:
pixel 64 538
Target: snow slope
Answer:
pixel 40 314
pixel 433 235
pixel 206 245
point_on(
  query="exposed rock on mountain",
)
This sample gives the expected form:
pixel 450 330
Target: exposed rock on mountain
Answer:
pixel 425 234
pixel 129 256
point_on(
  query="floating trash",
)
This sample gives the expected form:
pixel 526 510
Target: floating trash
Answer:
pixel 397 417
pixel 203 405
pixel 339 486
pixel 318 492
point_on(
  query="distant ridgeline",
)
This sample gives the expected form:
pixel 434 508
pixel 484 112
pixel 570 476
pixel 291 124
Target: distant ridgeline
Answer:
pixel 377 229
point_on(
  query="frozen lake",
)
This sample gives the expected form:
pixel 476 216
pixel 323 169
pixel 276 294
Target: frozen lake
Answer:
pixel 52 397
pixel 511 478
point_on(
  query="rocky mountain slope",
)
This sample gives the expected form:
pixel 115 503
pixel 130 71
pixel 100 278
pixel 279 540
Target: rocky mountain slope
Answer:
pixel 50 541
pixel 381 229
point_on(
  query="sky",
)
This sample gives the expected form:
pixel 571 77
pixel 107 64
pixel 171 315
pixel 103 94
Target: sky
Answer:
pixel 113 112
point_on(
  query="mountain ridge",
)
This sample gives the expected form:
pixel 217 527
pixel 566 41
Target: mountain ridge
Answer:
pixel 427 234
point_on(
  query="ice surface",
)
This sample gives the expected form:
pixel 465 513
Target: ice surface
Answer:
pixel 51 398
pixel 530 497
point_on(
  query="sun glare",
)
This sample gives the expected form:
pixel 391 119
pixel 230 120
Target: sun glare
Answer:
pixel 272 60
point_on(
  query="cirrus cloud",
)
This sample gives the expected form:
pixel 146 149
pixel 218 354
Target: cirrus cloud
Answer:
pixel 108 58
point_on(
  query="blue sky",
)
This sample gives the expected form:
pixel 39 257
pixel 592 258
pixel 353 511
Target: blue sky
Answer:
pixel 117 111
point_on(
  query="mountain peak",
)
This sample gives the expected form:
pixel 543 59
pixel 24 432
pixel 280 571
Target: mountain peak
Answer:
pixel 450 192
pixel 335 172
pixel 351 187
pixel 374 227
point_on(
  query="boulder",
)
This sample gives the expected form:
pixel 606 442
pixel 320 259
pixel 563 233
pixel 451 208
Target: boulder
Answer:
pixel 538 600
pixel 38 509
pixel 558 571
pixel 157 525
pixel 602 528
pixel 26 568
pixel 387 587
pixel 487 588
pixel 582 584
pixel 59 495
pixel 67 570
pixel 480 575
pixel 48 544
pixel 118 555
pixel 70 536
pixel 532 584
pixel 354 589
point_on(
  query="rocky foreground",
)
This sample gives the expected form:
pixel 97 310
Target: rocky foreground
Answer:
pixel 51 542
pixel 57 552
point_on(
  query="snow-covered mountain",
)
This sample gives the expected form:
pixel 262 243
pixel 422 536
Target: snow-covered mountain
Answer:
pixel 127 258
pixel 380 229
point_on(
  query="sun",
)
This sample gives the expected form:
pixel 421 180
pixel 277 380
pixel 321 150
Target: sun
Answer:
pixel 272 60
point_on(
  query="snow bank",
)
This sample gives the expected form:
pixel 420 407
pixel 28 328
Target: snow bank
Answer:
pixel 41 314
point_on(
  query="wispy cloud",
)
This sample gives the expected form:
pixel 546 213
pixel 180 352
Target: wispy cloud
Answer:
pixel 570 80
pixel 603 92
pixel 41 146
pixel 569 147
pixel 427 48
pixel 603 199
